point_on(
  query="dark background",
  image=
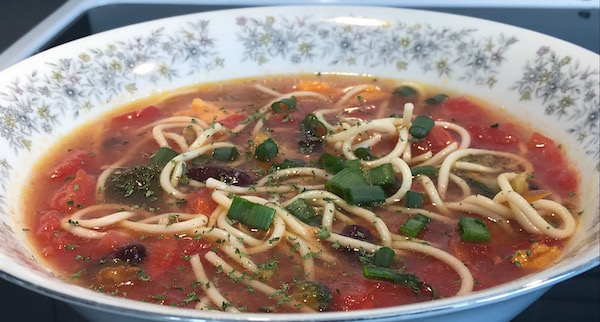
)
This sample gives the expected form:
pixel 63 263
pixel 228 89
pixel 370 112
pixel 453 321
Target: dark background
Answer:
pixel 577 299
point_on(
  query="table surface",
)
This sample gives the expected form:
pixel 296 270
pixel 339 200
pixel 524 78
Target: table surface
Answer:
pixel 577 299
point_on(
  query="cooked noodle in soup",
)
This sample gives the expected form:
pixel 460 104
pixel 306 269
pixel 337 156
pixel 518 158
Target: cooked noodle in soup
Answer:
pixel 301 193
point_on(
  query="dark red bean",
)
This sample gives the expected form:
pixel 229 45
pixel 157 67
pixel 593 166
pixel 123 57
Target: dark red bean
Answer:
pixel 228 175
pixel 132 254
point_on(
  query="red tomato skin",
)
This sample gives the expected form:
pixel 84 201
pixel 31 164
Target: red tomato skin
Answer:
pixel 436 140
pixel 233 120
pixel 496 138
pixel 78 193
pixel 201 202
pixel 75 160
pixel 138 117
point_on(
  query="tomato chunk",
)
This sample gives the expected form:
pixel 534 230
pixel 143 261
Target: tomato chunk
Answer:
pixel 459 108
pixel 78 193
pixel 232 120
pixel 74 161
pixel 201 202
pixel 436 140
pixel 498 137
pixel 138 117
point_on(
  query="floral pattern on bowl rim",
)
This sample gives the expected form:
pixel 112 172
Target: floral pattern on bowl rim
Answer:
pixel 40 96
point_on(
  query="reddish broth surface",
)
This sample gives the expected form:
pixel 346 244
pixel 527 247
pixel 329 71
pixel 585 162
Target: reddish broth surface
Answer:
pixel 64 181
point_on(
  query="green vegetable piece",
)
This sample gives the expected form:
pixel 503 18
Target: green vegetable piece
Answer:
pixel 412 226
pixel 384 257
pixel 315 295
pixel 201 160
pixel 421 126
pixel 341 182
pixel 225 154
pixel 484 189
pixel 136 185
pixel 426 170
pixel 404 91
pixel 436 99
pixel 163 155
pixel 251 214
pixel 330 163
pixel 267 150
pixel 386 274
pixel 286 105
pixel 364 154
pixel 353 164
pixel 312 123
pixel 365 195
pixel 473 230
pixel 382 176
pixel 302 210
pixel 413 199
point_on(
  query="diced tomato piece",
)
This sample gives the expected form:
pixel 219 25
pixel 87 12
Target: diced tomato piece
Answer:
pixel 553 168
pixel 138 117
pixel 232 120
pixel 459 108
pixel 436 140
pixel 48 224
pixel 160 256
pixel 369 294
pixel 201 202
pixel 78 193
pixel 74 161
pixel 112 241
pixel 496 138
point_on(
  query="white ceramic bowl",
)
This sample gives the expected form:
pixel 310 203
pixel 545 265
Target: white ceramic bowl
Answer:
pixel 552 83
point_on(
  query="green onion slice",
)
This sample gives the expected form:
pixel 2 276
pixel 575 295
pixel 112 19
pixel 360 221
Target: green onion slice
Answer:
pixel 286 105
pixel 382 176
pixel 384 257
pixel 342 181
pixel 412 226
pixel 421 126
pixel 330 163
pixel 364 154
pixel 425 169
pixel 473 230
pixel 302 210
pixel 436 99
pixel 386 274
pixel 225 154
pixel 365 195
pixel 251 214
pixel 353 164
pixel 266 150
pixel 164 155
pixel 404 91
pixel 288 163
pixel 315 126
pixel 413 199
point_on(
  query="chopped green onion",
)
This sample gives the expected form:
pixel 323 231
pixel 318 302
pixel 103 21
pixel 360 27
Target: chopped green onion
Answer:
pixel 412 226
pixel 365 195
pixel 386 274
pixel 364 154
pixel 225 154
pixel 384 257
pixel 436 99
pixel 285 105
pixel 288 163
pixel 164 155
pixel 382 176
pixel 201 160
pixel 251 214
pixel 413 199
pixel 485 190
pixel 426 169
pixel 404 91
pixel 266 150
pixel 302 210
pixel 330 163
pixel 341 182
pixel 421 126
pixel 473 230
pixel 315 126
pixel 353 164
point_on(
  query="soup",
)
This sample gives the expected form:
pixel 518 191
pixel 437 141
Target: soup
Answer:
pixel 301 193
